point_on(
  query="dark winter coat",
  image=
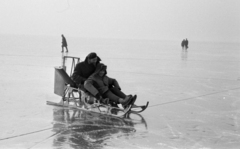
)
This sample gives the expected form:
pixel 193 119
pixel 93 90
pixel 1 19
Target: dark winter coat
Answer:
pixel 64 42
pixel 97 84
pixel 183 43
pixel 82 71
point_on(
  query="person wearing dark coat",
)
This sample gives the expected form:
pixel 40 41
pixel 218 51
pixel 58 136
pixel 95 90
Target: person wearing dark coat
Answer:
pixel 101 86
pixel 84 69
pixel 64 43
pixel 186 43
pixel 183 43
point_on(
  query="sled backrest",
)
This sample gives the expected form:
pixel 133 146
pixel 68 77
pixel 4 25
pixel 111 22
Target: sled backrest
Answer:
pixel 65 76
pixel 71 62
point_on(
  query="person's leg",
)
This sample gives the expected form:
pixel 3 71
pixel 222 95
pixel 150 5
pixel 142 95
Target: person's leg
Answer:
pixel 62 49
pixel 114 98
pixel 111 96
pixel 117 92
pixel 66 48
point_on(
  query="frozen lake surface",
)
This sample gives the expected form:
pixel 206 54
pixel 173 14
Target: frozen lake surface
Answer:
pixel 193 95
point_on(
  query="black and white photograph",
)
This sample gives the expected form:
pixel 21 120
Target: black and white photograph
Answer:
pixel 120 74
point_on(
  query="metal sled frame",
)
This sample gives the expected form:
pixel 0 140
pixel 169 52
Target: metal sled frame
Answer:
pixel 80 101
pixel 73 97
pixel 70 89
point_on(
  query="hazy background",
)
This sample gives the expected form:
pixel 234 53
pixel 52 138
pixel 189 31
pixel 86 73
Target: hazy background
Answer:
pixel 197 20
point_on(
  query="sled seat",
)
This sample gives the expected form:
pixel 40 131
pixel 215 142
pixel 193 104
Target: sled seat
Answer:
pixel 71 90
pixel 70 87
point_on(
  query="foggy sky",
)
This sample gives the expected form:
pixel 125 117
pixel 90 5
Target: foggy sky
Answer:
pixel 203 20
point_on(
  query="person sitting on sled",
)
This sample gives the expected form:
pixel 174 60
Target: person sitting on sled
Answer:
pixel 102 87
pixel 84 69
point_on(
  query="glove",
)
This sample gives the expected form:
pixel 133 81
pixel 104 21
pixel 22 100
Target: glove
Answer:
pixel 98 96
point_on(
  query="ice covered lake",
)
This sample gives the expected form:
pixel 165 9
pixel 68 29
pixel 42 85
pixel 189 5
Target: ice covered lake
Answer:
pixel 193 95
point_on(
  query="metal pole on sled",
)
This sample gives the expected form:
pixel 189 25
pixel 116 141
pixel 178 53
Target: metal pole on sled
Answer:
pixel 59 84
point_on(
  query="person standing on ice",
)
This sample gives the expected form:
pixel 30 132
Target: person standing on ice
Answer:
pixel 102 87
pixel 84 69
pixel 186 43
pixel 183 43
pixel 64 43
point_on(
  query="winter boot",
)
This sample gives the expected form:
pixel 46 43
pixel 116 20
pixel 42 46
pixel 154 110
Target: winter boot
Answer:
pixel 125 102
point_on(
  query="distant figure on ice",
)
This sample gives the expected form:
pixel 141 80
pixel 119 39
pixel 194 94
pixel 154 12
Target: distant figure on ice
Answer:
pixel 64 43
pixel 184 44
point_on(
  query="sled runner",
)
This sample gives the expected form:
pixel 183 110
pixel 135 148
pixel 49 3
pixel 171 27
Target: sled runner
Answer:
pixel 98 108
pixel 138 109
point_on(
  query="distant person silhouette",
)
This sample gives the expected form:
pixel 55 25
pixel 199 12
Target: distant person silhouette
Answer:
pixel 186 43
pixel 64 43
pixel 183 43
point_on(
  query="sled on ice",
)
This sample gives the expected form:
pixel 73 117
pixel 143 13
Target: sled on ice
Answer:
pixel 75 98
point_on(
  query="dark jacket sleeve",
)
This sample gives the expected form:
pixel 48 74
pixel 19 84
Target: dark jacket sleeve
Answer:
pixel 77 75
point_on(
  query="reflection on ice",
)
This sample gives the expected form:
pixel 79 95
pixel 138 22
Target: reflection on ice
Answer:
pixel 184 54
pixel 76 128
